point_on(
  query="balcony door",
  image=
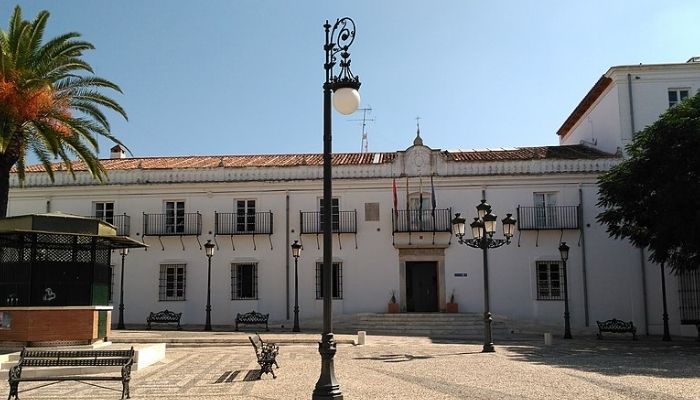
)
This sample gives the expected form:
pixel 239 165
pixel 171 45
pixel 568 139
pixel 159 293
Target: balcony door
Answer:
pixel 545 209
pixel 422 286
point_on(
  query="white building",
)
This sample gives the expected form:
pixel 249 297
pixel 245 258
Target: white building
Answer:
pixel 253 207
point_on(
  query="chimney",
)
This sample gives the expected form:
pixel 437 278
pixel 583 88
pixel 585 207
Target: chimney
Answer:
pixel 117 152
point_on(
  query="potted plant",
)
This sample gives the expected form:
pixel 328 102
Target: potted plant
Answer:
pixel 451 306
pixel 393 305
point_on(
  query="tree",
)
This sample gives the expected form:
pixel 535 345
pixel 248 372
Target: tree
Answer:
pixel 50 101
pixel 652 198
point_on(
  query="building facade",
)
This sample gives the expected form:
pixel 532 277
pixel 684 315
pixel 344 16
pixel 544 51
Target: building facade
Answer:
pixel 392 216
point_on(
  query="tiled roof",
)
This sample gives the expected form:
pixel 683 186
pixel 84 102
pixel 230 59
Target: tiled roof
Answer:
pixel 569 152
pixel 293 160
pixel 585 104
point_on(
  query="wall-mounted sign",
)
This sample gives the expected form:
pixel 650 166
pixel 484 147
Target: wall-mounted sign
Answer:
pixel 461 274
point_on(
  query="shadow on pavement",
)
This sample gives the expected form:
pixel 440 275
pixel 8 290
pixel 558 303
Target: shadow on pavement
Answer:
pixel 646 357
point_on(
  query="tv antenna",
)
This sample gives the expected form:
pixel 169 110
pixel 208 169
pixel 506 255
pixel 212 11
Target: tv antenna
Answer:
pixel 364 148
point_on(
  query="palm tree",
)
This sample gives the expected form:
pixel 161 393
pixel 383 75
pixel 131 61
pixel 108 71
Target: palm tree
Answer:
pixel 50 102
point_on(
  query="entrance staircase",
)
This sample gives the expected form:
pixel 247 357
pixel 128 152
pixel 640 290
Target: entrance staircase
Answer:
pixel 435 325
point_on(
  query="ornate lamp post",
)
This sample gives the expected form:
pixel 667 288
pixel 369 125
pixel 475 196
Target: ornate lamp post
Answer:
pixel 209 250
pixel 123 252
pixel 346 99
pixel 296 252
pixel 483 227
pixel 564 252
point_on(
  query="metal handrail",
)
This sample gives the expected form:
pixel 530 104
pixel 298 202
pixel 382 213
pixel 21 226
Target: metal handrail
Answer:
pixel 422 220
pixel 550 217
pixel 243 223
pixel 187 224
pixel 342 222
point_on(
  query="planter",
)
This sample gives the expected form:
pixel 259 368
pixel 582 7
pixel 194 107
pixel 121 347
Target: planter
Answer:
pixel 393 308
pixel 452 308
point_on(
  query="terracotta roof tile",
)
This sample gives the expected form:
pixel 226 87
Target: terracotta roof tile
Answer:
pixel 293 160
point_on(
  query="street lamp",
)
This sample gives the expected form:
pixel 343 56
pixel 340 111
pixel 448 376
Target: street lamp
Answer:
pixel 209 250
pixel 483 228
pixel 564 252
pixel 123 252
pixel 346 99
pixel 667 333
pixel 296 252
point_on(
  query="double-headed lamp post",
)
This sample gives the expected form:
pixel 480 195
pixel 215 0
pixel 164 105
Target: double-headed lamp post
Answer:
pixel 564 252
pixel 123 252
pixel 209 251
pixel 483 228
pixel 346 100
pixel 296 252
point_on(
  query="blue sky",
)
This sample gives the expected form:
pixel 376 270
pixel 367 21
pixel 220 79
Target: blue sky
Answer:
pixel 245 77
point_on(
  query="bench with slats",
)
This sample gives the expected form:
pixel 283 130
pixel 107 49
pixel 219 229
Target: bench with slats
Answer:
pixel 616 326
pixel 266 353
pixel 252 317
pixel 164 317
pixel 72 358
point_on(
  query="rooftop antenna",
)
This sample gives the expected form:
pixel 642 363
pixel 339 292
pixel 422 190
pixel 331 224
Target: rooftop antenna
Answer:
pixel 365 144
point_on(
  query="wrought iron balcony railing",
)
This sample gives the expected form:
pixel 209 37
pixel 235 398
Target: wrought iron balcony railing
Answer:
pixel 121 221
pixel 187 224
pixel 259 223
pixel 342 222
pixel 422 220
pixel 552 217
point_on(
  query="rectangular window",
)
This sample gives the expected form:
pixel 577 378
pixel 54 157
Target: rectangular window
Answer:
pixel 545 209
pixel 105 211
pixel 337 284
pixel 335 213
pixel 677 95
pixel 174 216
pixel 245 215
pixel 244 281
pixel 549 280
pixel 172 282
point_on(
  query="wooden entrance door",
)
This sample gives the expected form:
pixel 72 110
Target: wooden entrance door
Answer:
pixel 421 286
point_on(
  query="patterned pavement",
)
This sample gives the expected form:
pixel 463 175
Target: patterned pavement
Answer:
pixel 416 368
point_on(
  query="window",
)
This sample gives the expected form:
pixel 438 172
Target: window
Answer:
pixel 244 281
pixel 677 95
pixel 335 213
pixel 545 209
pixel 420 211
pixel 245 215
pixel 337 284
pixel 105 211
pixel 172 282
pixel 549 283
pixel 174 216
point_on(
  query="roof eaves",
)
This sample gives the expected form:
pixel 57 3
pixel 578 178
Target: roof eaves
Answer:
pixel 585 104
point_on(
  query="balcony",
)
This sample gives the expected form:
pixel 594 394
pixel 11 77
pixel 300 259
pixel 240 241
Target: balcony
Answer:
pixel 342 222
pixel 422 220
pixel 259 223
pixel 121 221
pixel 187 224
pixel 544 218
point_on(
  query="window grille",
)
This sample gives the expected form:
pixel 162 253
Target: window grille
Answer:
pixel 172 282
pixel 244 281
pixel 337 284
pixel 549 280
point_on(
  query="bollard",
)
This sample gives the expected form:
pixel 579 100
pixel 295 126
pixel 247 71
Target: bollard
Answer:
pixel 548 339
pixel 361 337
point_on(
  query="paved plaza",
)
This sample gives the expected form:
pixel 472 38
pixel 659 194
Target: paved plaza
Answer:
pixel 412 368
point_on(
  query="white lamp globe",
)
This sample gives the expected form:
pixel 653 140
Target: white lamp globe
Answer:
pixel 346 100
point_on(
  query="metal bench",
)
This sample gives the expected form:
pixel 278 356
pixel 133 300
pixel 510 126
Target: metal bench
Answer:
pixel 266 353
pixel 616 326
pixel 164 317
pixel 252 318
pixel 72 358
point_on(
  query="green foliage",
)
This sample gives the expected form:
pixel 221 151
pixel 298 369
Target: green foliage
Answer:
pixel 653 197
pixel 50 101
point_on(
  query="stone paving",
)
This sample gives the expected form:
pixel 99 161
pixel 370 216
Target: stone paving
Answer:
pixel 416 368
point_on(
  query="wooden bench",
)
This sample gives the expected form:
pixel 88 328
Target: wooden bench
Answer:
pixel 252 318
pixel 72 358
pixel 266 353
pixel 164 317
pixel 616 326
